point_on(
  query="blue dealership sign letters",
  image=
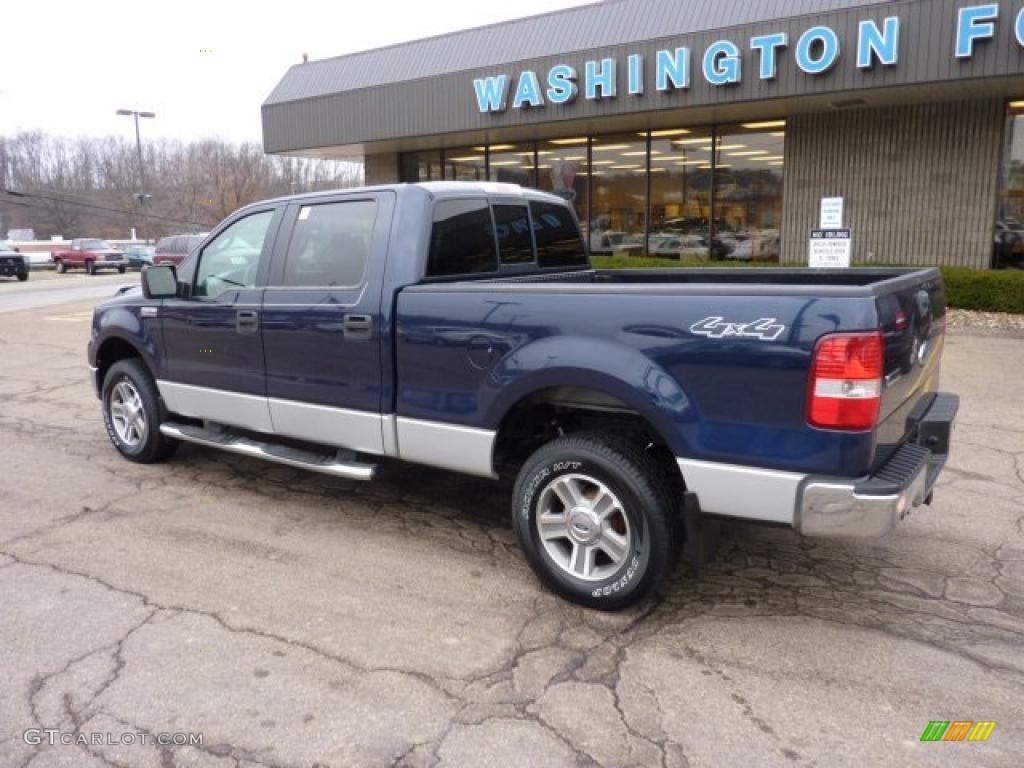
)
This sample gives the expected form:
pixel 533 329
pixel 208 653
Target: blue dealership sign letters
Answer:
pixel 816 52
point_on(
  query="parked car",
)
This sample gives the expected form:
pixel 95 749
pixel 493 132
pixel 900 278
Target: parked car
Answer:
pixel 328 331
pixel 12 262
pixel 91 254
pixel 667 244
pixel 174 249
pixel 139 256
pixel 1008 243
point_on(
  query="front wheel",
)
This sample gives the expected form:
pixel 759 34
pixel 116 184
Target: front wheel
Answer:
pixel 61 269
pixel 23 276
pixel 132 413
pixel 595 517
pixel 121 270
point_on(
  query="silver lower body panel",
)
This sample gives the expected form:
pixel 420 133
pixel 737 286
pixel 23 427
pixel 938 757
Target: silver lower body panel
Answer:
pixel 750 493
pixel 433 443
pixel 355 430
pixel 239 410
pixel 449 446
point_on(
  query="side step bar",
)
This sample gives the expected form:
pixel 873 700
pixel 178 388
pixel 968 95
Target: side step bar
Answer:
pixel 326 463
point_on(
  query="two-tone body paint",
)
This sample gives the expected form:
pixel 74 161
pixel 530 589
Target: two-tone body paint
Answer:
pixel 464 353
pixel 732 400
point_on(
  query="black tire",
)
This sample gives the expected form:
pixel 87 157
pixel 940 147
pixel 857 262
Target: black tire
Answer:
pixel 90 267
pixel 121 270
pixel 644 492
pixel 61 269
pixel 153 445
pixel 23 276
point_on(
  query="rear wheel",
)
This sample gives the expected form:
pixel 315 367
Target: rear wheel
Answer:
pixel 132 413
pixel 121 269
pixel 23 276
pixel 61 269
pixel 90 267
pixel 595 516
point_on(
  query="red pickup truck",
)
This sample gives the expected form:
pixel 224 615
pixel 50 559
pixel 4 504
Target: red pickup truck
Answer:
pixel 92 254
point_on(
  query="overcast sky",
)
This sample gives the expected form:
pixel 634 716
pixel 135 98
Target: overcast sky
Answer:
pixel 67 66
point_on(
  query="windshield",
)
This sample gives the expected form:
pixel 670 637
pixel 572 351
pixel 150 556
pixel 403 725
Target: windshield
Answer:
pixel 6 246
pixel 96 245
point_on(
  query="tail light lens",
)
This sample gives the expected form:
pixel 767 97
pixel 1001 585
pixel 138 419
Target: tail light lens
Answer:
pixel 846 381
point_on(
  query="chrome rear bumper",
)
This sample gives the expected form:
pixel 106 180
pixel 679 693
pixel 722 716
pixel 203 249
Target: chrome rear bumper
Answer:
pixel 837 509
pixel 818 505
pixel 873 505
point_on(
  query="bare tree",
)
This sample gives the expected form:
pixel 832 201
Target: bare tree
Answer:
pixel 88 186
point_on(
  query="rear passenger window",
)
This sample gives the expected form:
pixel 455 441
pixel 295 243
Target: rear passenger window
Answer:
pixel 559 243
pixel 462 240
pixel 512 223
pixel 330 244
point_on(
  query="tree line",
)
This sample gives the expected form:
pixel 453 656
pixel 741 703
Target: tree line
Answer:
pixel 89 187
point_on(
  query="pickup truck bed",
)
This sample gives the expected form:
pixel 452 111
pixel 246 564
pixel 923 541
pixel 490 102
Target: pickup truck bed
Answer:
pixel 461 326
pixel 720 393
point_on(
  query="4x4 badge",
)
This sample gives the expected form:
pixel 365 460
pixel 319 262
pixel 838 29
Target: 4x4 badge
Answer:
pixel 766 328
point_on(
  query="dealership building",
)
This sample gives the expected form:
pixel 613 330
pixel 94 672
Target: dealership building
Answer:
pixel 706 129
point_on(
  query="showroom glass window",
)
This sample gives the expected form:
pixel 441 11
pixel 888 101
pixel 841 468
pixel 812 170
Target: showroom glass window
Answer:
pixel 467 164
pixel 681 195
pixel 1008 239
pixel 748 192
pixel 422 166
pixel 562 170
pixel 618 203
pixel 512 164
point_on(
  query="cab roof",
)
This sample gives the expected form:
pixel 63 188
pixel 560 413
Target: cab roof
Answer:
pixel 435 189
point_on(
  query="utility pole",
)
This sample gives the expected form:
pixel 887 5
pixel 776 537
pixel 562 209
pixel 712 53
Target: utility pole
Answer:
pixel 141 194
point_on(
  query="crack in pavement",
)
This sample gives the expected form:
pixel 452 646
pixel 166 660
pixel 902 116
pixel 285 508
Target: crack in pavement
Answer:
pixel 959 596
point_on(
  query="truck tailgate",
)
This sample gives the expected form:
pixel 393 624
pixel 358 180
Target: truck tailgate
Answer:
pixel 912 319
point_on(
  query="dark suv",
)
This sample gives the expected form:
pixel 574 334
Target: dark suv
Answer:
pixel 12 263
pixel 174 249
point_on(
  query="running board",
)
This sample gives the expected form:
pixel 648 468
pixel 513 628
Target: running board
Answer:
pixel 326 463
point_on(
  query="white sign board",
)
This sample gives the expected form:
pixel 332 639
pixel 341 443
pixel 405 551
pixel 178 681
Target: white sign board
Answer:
pixel 831 212
pixel 830 248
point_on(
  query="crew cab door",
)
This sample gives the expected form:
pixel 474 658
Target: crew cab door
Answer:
pixel 321 321
pixel 213 345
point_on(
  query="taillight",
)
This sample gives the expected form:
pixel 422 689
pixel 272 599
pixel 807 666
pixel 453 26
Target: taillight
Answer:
pixel 846 381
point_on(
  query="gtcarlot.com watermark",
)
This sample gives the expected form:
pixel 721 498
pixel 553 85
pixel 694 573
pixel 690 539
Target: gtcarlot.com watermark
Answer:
pixel 54 736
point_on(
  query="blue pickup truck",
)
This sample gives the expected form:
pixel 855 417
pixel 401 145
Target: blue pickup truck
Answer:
pixel 461 326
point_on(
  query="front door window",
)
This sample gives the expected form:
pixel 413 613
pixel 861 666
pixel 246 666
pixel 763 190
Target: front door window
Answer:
pixel 232 259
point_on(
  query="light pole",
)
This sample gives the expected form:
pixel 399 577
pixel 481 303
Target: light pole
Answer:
pixel 142 174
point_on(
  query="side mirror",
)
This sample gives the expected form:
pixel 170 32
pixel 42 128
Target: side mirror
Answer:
pixel 16 249
pixel 159 282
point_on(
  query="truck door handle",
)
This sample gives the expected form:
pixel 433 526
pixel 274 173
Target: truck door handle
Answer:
pixel 358 327
pixel 247 321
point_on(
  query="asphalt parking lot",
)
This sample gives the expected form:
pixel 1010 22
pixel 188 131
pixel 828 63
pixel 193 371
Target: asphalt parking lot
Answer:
pixel 298 620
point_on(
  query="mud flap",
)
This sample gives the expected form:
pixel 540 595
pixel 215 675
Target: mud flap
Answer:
pixel 700 546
